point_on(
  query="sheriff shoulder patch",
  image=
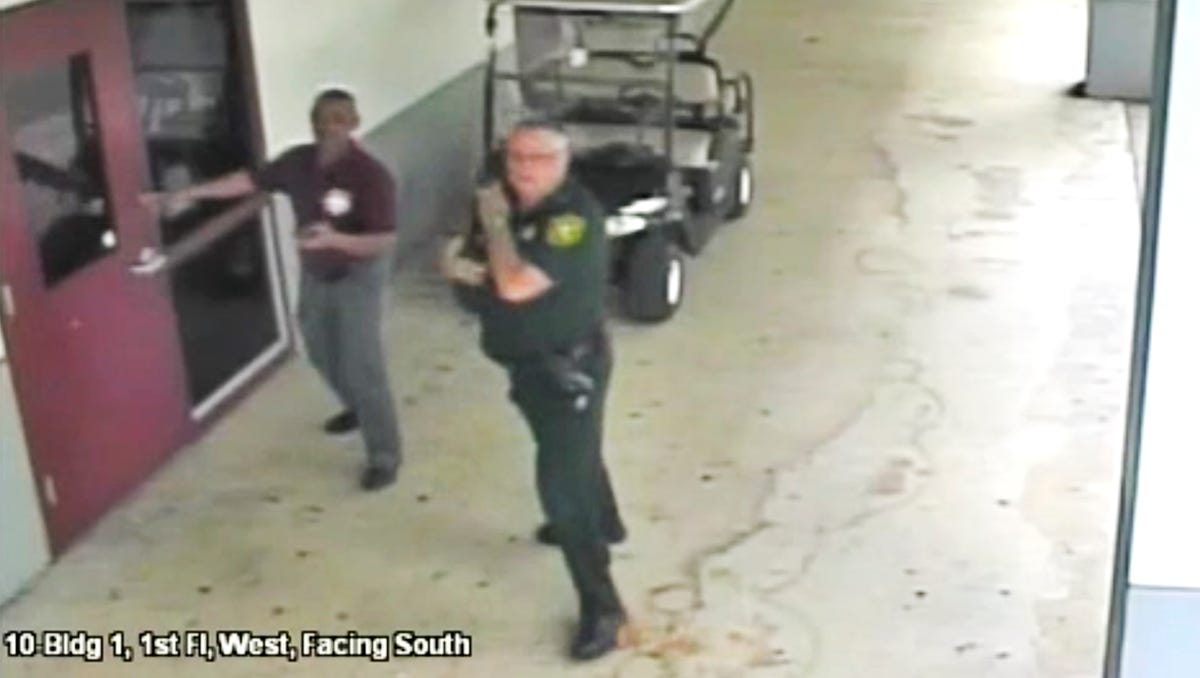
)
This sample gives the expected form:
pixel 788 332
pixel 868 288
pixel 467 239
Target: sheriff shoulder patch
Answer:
pixel 565 230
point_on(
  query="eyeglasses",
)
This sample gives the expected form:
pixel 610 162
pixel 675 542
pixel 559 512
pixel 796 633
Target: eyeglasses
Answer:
pixel 546 157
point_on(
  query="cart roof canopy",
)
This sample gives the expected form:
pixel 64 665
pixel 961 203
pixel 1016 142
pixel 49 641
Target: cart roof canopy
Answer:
pixel 667 7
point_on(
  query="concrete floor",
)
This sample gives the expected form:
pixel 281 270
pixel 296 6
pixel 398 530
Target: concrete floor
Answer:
pixel 882 439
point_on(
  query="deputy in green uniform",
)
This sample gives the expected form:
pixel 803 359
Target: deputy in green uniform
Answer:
pixel 535 269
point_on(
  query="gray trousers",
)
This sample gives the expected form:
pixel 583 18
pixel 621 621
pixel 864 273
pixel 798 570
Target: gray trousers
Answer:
pixel 342 323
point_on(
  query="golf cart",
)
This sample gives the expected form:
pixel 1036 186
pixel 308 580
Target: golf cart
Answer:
pixel 660 134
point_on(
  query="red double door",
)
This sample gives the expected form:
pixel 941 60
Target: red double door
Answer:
pixel 90 330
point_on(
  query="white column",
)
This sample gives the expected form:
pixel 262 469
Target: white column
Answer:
pixel 1120 48
pixel 24 550
pixel 1157 588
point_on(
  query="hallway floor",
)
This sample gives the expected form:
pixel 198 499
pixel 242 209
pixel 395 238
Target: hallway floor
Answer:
pixel 881 439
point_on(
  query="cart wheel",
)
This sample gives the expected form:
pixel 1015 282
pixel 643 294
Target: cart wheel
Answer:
pixel 743 191
pixel 654 279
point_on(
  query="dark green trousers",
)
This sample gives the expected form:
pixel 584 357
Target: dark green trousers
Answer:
pixel 572 481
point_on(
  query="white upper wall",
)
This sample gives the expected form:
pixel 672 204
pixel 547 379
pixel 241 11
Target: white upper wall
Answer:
pixel 1163 555
pixel 390 53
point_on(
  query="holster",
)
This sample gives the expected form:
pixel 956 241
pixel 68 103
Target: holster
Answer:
pixel 567 368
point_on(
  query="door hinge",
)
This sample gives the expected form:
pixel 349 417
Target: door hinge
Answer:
pixel 49 491
pixel 10 306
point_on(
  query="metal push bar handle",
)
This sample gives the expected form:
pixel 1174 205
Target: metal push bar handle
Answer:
pixel 214 229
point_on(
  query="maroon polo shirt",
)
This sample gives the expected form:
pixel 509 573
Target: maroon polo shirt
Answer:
pixel 367 183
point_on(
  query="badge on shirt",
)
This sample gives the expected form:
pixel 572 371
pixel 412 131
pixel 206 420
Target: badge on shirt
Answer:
pixel 337 202
pixel 528 233
pixel 565 230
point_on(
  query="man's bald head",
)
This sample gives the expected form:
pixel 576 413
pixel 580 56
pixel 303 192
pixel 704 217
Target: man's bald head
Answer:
pixel 551 132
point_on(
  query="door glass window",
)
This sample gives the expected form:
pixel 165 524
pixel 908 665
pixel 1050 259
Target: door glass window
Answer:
pixel 55 137
pixel 189 99
pixel 194 118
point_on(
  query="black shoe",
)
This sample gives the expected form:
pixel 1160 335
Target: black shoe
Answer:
pixel 545 534
pixel 342 423
pixel 375 478
pixel 598 635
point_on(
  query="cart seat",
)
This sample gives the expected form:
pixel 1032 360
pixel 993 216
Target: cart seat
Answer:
pixel 692 148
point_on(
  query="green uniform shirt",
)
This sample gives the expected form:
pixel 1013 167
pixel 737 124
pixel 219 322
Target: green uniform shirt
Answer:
pixel 564 236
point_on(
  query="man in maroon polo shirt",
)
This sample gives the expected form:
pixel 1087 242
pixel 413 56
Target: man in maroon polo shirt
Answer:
pixel 344 202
